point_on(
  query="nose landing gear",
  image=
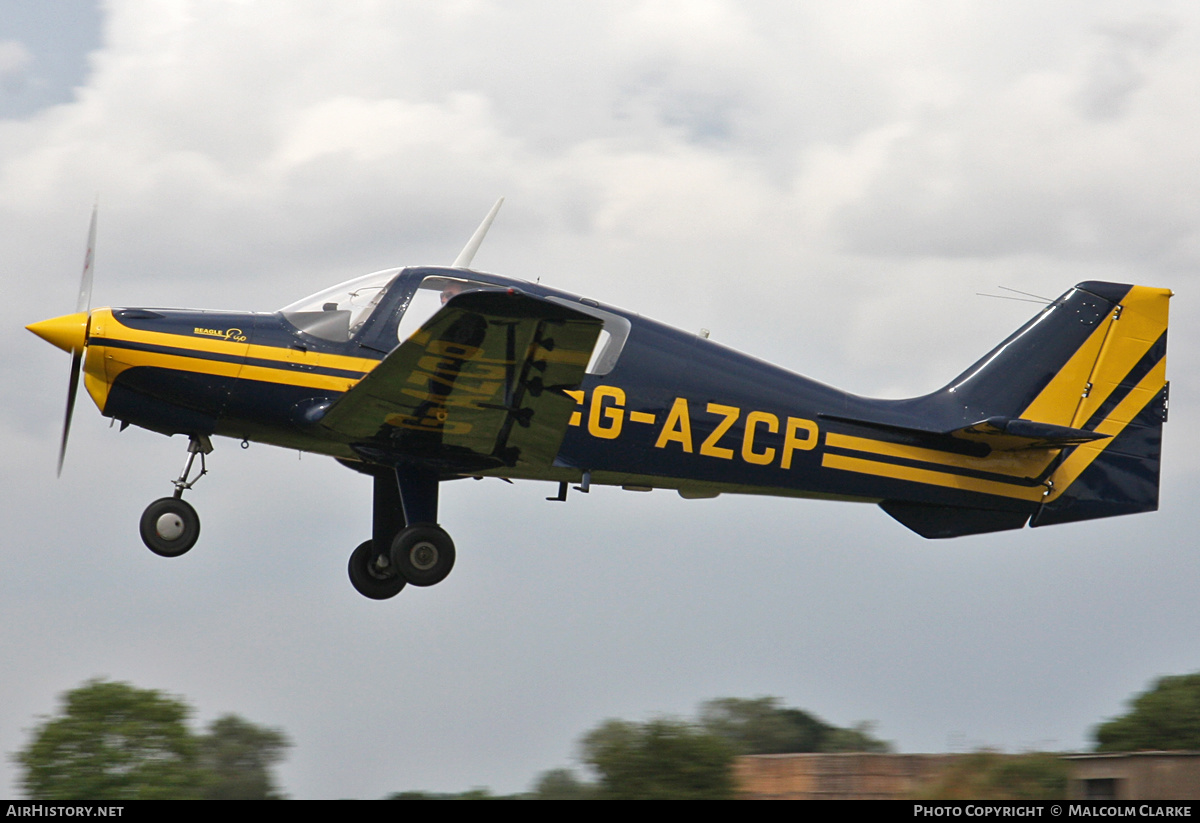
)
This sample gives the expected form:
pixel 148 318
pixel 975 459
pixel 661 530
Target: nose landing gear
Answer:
pixel 170 526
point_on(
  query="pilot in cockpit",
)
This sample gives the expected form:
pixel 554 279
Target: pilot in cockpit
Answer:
pixel 452 288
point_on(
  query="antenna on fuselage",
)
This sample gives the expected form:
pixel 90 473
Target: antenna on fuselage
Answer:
pixel 468 253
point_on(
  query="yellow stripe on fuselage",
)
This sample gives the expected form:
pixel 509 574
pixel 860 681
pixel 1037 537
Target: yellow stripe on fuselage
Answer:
pixel 930 477
pixel 1015 464
pixel 107 362
pixel 1011 463
pixel 331 361
pixel 119 331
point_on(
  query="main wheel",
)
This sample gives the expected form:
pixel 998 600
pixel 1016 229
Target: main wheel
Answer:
pixel 424 555
pixel 170 527
pixel 368 580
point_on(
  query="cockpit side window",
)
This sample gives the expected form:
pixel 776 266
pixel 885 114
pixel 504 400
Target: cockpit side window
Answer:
pixel 433 293
pixel 612 336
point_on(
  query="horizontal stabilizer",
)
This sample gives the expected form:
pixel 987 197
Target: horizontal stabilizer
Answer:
pixel 995 433
pixel 1015 434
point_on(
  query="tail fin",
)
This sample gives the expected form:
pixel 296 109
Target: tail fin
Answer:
pixel 1083 383
pixel 1043 370
pixel 1125 397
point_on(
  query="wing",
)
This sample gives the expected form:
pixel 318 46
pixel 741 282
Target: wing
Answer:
pixel 480 385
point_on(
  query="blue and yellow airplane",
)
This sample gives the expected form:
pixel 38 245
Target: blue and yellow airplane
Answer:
pixel 416 376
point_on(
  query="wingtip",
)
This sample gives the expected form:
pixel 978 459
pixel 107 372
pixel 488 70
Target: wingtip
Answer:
pixel 467 255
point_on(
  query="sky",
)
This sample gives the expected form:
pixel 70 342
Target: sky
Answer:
pixel 825 186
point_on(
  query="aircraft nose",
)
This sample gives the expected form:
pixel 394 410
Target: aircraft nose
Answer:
pixel 68 332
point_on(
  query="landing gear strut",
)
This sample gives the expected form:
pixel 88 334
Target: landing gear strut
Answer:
pixel 406 545
pixel 170 526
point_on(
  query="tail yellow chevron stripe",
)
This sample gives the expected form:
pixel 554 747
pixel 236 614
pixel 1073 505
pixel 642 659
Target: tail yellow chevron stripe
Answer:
pixel 1058 401
pixel 1114 424
pixel 1142 321
pixel 1108 355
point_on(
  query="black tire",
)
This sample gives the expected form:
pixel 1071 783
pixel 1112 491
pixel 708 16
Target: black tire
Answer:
pixel 170 526
pixel 424 555
pixel 367 580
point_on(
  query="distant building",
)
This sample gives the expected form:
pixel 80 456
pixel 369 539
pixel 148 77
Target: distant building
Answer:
pixel 1135 776
pixel 1127 776
pixel 849 776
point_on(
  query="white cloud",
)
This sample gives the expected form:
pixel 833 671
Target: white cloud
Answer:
pixel 14 59
pixel 1017 170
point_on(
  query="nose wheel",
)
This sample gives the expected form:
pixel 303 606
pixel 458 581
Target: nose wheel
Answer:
pixel 170 526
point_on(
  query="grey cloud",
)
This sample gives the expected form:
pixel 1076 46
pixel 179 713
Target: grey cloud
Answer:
pixel 1115 74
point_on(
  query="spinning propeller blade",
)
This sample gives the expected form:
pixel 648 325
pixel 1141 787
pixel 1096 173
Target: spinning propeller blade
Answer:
pixel 72 390
pixel 84 301
pixel 70 333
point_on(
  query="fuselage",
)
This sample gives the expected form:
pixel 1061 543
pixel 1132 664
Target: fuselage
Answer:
pixel 658 408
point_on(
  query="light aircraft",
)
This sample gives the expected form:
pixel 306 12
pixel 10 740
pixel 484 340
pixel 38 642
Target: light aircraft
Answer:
pixel 420 375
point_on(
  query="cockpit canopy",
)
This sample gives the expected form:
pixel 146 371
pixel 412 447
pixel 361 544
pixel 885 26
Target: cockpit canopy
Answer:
pixel 409 297
pixel 339 312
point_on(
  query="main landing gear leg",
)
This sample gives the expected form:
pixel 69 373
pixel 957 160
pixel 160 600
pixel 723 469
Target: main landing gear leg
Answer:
pixel 406 545
pixel 421 551
pixel 371 571
pixel 170 526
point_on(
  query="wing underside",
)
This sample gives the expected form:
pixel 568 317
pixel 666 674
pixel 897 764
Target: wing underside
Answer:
pixel 481 385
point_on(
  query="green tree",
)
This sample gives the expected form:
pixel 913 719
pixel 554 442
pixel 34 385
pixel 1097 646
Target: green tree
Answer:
pixel 856 738
pixel 112 741
pixel 764 726
pixel 480 793
pixel 1163 718
pixel 562 784
pixel 237 757
pixel 663 759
